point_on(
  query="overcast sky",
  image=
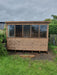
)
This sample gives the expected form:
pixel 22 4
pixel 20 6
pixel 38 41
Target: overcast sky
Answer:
pixel 27 10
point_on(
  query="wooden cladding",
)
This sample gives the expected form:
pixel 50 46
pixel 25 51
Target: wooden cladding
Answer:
pixel 32 44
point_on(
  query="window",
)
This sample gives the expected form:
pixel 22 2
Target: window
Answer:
pixel 11 30
pixel 18 30
pixel 35 30
pixel 43 31
pixel 26 30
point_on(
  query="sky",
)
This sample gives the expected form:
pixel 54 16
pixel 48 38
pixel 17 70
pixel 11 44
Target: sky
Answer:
pixel 27 10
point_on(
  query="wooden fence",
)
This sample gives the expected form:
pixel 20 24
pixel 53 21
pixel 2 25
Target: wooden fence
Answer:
pixel 53 39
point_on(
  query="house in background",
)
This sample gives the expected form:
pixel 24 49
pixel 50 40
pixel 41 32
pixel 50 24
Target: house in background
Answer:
pixel 2 25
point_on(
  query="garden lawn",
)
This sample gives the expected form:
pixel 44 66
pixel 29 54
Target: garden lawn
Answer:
pixel 15 65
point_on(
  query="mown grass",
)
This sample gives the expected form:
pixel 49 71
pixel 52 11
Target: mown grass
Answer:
pixel 15 65
pixel 54 49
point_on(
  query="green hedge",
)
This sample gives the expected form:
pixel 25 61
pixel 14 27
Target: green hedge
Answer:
pixel 52 29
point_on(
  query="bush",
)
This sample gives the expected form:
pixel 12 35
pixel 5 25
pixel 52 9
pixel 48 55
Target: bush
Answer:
pixel 5 41
pixel 3 34
pixel 3 50
pixel 52 29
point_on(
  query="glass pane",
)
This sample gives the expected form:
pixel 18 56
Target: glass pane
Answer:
pixel 26 30
pixel 18 30
pixel 35 30
pixel 43 30
pixel 11 30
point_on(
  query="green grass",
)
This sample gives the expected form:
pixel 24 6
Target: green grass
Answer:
pixel 53 48
pixel 15 65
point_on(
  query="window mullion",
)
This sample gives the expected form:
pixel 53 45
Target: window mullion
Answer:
pixel 30 30
pixel 14 31
pixel 22 31
pixel 39 31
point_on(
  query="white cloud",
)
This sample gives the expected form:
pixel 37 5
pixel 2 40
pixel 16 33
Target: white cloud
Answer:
pixel 27 10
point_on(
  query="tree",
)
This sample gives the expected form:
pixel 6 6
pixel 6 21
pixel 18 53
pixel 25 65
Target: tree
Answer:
pixel 54 17
pixel 48 19
pixel 53 25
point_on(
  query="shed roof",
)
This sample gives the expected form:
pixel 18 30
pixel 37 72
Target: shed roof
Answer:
pixel 27 22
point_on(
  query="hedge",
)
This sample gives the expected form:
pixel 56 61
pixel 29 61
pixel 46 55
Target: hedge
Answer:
pixel 52 29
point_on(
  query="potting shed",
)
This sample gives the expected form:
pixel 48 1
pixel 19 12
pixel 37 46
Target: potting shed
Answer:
pixel 27 35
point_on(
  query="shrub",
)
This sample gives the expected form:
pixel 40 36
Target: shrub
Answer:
pixel 52 29
pixel 5 35
pixel 3 50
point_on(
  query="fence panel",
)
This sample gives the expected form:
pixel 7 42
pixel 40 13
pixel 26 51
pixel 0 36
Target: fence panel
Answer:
pixel 53 39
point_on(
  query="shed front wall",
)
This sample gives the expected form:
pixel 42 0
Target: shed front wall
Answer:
pixel 30 44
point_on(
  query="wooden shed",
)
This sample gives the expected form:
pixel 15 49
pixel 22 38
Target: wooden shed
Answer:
pixel 27 35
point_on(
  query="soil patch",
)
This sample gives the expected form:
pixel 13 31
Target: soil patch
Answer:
pixel 37 55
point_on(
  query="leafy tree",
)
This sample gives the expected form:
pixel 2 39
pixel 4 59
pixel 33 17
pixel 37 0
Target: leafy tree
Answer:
pixel 54 22
pixel 53 25
pixel 48 19
pixel 54 17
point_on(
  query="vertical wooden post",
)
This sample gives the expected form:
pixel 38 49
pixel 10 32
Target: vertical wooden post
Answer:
pixel 47 35
pixel 47 30
pixel 6 31
pixel 30 30
pixel 14 30
pixel 22 31
pixel 39 31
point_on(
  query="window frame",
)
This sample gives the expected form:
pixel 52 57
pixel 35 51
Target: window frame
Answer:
pixel 46 31
pixel 30 31
pixel 9 31
pixel 34 33
pixel 15 31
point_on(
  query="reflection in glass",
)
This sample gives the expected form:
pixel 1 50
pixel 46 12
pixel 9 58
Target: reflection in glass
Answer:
pixel 11 30
pixel 26 30
pixel 43 30
pixel 18 30
pixel 35 29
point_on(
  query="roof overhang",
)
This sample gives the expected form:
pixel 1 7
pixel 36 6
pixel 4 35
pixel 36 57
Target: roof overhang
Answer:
pixel 27 22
